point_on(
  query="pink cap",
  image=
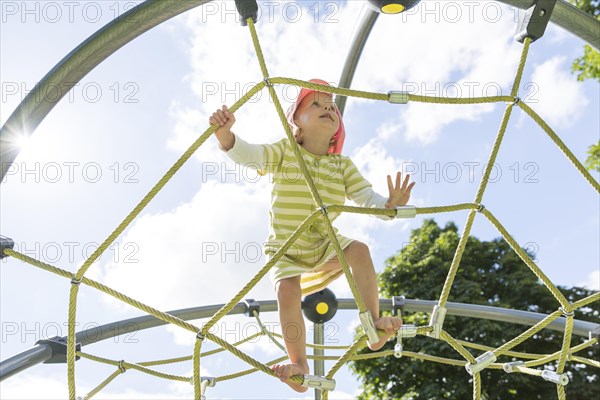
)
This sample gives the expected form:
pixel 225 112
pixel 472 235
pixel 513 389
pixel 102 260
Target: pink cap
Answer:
pixel 339 136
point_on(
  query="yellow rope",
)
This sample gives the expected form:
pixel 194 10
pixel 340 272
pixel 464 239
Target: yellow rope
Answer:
pixel 477 386
pixel 566 345
pixel 561 145
pixel 587 361
pixel 102 384
pixel 305 172
pixel 457 346
pixel 527 334
pixel 586 301
pixel 560 389
pixel 564 355
pixel 127 365
pixel 527 260
pixel 554 356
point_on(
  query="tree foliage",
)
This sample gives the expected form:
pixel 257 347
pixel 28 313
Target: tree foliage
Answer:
pixel 492 274
pixel 593 161
pixel 588 67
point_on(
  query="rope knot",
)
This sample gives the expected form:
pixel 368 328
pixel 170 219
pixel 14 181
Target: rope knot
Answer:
pixel 565 313
pixel 122 367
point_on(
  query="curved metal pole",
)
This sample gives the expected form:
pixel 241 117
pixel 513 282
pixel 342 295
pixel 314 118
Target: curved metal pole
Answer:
pixel 565 15
pixel 71 69
pixel 78 63
pixel 570 18
pixel 41 353
pixel 367 20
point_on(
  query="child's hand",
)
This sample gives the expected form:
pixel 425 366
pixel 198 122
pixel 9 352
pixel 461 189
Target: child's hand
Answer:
pixel 399 195
pixel 224 120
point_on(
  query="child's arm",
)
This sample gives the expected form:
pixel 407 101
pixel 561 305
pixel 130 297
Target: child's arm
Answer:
pixel 399 194
pixel 224 120
pixel 360 191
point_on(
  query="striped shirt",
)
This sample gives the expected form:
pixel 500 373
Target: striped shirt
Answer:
pixel 336 178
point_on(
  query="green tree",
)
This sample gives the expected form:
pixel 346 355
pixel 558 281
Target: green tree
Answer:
pixel 588 67
pixel 593 161
pixel 490 273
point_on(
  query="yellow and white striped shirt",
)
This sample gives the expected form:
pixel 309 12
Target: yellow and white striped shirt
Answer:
pixel 336 178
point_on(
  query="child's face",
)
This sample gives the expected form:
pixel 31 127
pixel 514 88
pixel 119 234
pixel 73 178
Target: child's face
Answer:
pixel 316 115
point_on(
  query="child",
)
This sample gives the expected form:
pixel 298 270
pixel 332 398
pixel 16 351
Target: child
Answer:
pixel 311 264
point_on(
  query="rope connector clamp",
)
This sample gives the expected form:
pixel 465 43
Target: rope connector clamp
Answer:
pixel 247 9
pixel 565 313
pixel 398 348
pixel 398 97
pixel 268 82
pixel 551 376
pixel 406 211
pixel 75 282
pixel 480 208
pixel 211 381
pixel 533 21
pixel 437 321
pixel 324 210
pixel 58 347
pixel 481 362
pixel 366 320
pixel 516 101
pixel 5 243
pixel 510 367
pixel 251 306
pixel 122 367
pixel 398 306
pixel 407 331
pixel 318 382
pixel 200 336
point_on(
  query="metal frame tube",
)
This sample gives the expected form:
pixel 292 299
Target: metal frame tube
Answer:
pixel 319 365
pixel 367 21
pixel 41 353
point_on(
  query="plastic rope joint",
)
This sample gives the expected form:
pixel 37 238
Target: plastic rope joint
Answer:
pixel 481 362
pixel 318 382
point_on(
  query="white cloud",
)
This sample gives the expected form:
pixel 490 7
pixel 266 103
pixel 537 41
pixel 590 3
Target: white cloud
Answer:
pixel 224 66
pixel 557 95
pixel 557 34
pixel 203 252
pixel 471 55
pixel 592 281
pixel 375 163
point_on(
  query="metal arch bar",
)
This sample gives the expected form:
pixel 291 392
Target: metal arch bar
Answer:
pixel 568 17
pixel 368 19
pixel 78 63
pixel 565 15
pixel 75 65
pixel 40 353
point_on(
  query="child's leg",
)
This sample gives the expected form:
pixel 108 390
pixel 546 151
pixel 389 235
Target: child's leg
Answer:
pixel 289 301
pixel 359 259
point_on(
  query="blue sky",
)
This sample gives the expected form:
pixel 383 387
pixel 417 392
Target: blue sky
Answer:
pixel 104 145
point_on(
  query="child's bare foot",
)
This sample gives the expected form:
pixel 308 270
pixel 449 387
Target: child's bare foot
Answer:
pixel 388 324
pixel 284 372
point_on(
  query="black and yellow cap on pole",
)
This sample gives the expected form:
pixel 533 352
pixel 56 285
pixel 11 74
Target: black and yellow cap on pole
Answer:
pixel 320 307
pixel 393 6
